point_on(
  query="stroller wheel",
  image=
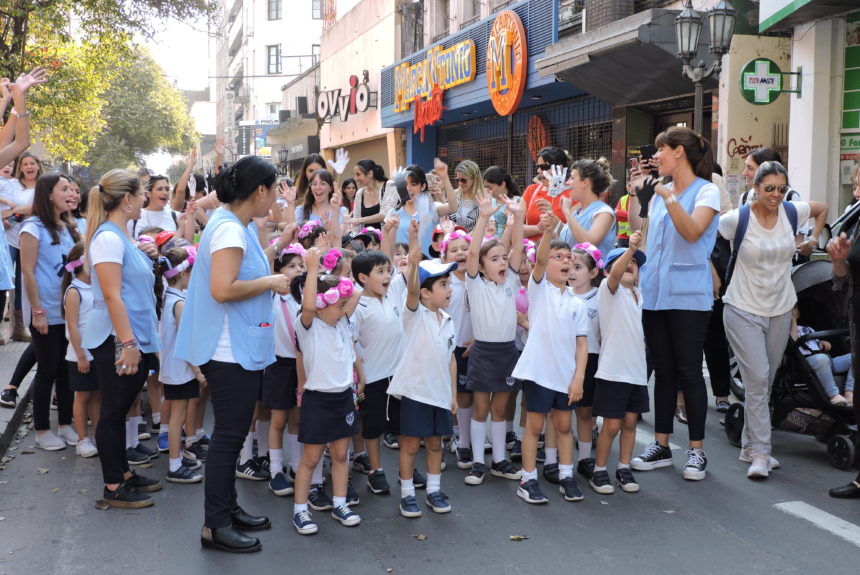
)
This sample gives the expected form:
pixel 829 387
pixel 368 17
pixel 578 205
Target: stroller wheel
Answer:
pixel 840 449
pixel 735 423
pixel 736 382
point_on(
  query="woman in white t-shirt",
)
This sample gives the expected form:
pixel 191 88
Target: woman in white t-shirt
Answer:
pixel 759 299
pixel 157 213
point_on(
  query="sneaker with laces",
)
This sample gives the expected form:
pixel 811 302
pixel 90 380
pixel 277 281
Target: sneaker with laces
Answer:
pixel 409 507
pixel 142 432
pixel 625 479
pixel 345 516
pixel 585 467
pixel 361 464
pixel 135 457
pixel 69 435
pixel 9 397
pixel 163 445
pixel 506 469
pixel 377 483
pixel 390 441
pixel 195 451
pixel 759 468
pixel 510 438
pixel 419 480
pixel 49 442
pixel 264 464
pixel 318 499
pixel 600 482
pixel 281 486
pixel 86 448
pixel 352 497
pixel 127 497
pixel 304 524
pixel 184 475
pixel 569 489
pixel 697 463
pixel 746 457
pixel 192 464
pixel 540 455
pixel 550 472
pixel 438 502
pixel 476 474
pixel 655 456
pixel 151 453
pixel 143 483
pixel 517 451
pixel 452 444
pixel 464 458
pixel 203 441
pixel 251 471
pixel 530 492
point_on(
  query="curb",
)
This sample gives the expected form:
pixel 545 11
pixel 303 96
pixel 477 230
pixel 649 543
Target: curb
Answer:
pixel 9 433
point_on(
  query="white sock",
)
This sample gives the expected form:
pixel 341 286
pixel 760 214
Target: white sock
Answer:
pixel 434 483
pixel 276 457
pixel 247 449
pixel 200 432
pixel 156 418
pixel 131 439
pixel 407 488
pixel 175 464
pixel 457 428
pixel 509 425
pixel 192 439
pixel 295 451
pixel 338 501
pixel 317 477
pixel 464 417
pixel 476 428
pixel 599 468
pixel 584 450
pixel 551 455
pixel 497 429
pixel 623 465
pixel 299 507
pixel 565 471
pixel 262 437
pixel 529 475
pixel 162 428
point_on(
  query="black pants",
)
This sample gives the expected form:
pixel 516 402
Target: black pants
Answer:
pixel 717 352
pixel 675 339
pixel 25 364
pixel 118 394
pixel 50 367
pixel 233 391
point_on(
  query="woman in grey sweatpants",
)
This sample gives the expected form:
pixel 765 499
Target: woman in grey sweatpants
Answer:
pixel 759 299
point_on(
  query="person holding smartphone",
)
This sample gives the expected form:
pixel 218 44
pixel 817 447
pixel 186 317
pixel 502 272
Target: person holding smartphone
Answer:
pixel 539 190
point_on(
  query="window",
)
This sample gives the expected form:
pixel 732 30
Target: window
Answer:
pixel 275 10
pixel 273 63
pixel 316 9
pixel 272 109
pixel 315 54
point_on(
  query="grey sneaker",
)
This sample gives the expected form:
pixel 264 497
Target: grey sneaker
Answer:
pixel 746 457
pixel 759 468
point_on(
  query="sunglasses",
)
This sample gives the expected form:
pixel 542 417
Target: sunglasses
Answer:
pixel 463 180
pixel 781 188
pixel 544 167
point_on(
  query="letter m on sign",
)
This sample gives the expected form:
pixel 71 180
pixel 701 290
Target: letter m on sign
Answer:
pixel 500 48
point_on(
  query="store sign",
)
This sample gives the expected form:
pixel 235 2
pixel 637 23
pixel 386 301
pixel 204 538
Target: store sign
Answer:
pixel 443 68
pixel 761 81
pixel 331 103
pixel 428 112
pixel 507 62
pixel 538 136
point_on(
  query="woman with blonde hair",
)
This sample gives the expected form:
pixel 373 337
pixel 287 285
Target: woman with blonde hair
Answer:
pixel 470 181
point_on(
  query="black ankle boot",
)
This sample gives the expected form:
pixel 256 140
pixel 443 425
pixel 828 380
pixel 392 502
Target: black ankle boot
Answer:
pixel 229 539
pixel 247 522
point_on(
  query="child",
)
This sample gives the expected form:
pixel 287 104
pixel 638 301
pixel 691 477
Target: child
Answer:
pixel 181 380
pixel 399 259
pixel 327 404
pixel 816 353
pixel 584 272
pixel 280 380
pixel 338 262
pixel 621 391
pixel 492 284
pixel 427 383
pixel 370 237
pixel 514 441
pixel 78 303
pixel 552 375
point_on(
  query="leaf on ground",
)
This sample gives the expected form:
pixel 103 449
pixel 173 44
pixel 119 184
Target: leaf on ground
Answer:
pixel 389 570
pixel 2 518
pixel 27 452
pixel 82 490
pixel 55 490
pixel 3 482
pixel 145 465
pixel 42 470
pixel 604 503
pixel 419 536
pixel 518 537
pixel 669 511
pixel 102 504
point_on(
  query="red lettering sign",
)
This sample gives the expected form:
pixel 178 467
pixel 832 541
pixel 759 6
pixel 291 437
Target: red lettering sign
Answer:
pixel 428 112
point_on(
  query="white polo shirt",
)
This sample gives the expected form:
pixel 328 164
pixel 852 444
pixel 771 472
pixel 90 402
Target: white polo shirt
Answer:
pixel 378 330
pixel 458 309
pixel 328 355
pixel 425 376
pixel 493 307
pixel 590 299
pixel 285 345
pixel 622 349
pixel 556 318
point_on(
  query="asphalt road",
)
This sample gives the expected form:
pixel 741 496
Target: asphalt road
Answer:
pixel 724 524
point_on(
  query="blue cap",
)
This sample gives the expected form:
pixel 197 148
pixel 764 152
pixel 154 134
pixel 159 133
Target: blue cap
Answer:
pixel 617 252
pixel 433 268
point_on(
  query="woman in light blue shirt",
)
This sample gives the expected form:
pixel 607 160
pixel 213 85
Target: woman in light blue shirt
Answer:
pixel 589 219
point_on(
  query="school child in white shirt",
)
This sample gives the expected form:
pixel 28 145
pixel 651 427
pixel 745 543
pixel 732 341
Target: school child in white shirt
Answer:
pixel 621 391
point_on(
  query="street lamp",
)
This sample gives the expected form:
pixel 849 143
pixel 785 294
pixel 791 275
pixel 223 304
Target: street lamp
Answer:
pixel 688 28
pixel 283 163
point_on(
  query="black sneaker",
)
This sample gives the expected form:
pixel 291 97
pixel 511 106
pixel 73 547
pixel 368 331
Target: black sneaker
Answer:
pixel 438 502
pixel 600 482
pixel 585 467
pixel 281 486
pixel 351 495
pixel 506 469
pixel 203 441
pixel 318 499
pixel 476 474
pixel 263 463
pixel 530 492
pixel 9 397
pixel 249 470
pixel 697 463
pixel 517 451
pixel 409 507
pixel 625 479
pixel 196 450
pixel 419 480
pixel 568 487
pixel 143 484
pixel 192 464
pixel 127 497
pixel 378 484
pixel 540 455
pixel 135 457
pixel 655 456
pixel 142 432
pixel 723 406
pixel 151 453
pixel 464 458
pixel 184 475
pixel 510 439
pixel 550 472
pixel 390 441
pixel 361 464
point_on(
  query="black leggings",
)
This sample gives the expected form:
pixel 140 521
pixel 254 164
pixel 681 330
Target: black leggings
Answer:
pixel 233 391
pixel 25 363
pixel 717 352
pixel 675 339
pixel 50 351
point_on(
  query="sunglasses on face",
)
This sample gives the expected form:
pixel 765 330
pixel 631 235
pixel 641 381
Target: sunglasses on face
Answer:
pixel 769 188
pixel 544 167
pixel 462 180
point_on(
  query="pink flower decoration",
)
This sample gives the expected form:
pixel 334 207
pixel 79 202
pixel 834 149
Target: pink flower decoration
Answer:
pixel 192 254
pixel 331 296
pixel 591 250
pixel 345 287
pixel 306 229
pixel 455 235
pixel 331 258
pixel 296 249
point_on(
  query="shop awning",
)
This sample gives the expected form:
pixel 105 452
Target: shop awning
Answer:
pixel 628 61
pixel 785 14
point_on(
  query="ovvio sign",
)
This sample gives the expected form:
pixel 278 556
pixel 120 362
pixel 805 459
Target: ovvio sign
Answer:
pixel 333 103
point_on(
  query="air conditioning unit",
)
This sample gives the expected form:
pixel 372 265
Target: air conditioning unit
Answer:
pixel 283 116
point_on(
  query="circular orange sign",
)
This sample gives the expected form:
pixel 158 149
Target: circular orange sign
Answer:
pixel 507 62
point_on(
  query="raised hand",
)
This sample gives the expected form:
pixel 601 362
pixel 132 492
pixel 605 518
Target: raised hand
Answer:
pixel 192 185
pixel 513 207
pixel 192 156
pixel 635 240
pixel 341 159
pixel 391 224
pixel 32 78
pixel 312 261
pixel 5 84
pixel 547 222
pixel 287 193
pixel 440 168
pixel 485 204
pixel 645 193
pixel 838 248
pixel 556 176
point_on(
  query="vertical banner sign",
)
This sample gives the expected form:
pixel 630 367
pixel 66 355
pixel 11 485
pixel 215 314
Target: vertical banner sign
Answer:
pixel 507 62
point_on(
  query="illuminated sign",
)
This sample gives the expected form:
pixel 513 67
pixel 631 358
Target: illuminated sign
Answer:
pixel 428 112
pixel 507 62
pixel 331 103
pixel 443 68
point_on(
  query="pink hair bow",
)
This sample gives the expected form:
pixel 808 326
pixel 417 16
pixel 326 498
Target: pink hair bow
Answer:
pixel 295 249
pixel 331 258
pixel 374 231
pixel 455 235
pixel 145 239
pixel 591 250
pixel 306 229
pixel 529 246
pixel 331 296
pixel 72 265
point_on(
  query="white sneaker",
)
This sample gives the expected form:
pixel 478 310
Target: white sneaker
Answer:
pixel 69 435
pixel 746 457
pixel 86 448
pixel 49 442
pixel 758 467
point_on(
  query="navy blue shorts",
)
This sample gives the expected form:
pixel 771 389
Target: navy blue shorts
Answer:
pixel 380 413
pixel 82 381
pixel 187 390
pixel 327 417
pixel 280 382
pixel 539 399
pixel 422 420
pixel 613 399
pixel 589 384
pixel 462 369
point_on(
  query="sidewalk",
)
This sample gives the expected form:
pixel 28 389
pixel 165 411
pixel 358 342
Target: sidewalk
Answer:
pixel 10 419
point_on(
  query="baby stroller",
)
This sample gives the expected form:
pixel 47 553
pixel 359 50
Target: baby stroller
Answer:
pixel 798 402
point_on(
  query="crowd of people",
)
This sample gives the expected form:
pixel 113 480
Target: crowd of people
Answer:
pixel 400 312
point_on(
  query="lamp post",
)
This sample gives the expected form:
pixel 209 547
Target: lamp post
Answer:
pixel 283 163
pixel 688 27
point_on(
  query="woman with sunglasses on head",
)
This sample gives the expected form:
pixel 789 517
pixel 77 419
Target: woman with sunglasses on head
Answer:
pixel 469 178
pixel 547 158
pixel 760 297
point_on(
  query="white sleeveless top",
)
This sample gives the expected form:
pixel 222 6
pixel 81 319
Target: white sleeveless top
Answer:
pixel 86 292
pixel 174 371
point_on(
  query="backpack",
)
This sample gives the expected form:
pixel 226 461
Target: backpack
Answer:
pixel 741 230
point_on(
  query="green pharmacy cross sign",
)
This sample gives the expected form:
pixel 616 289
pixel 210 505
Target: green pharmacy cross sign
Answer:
pixel 761 81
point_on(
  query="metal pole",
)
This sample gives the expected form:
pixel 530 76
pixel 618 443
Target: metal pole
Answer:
pixel 698 104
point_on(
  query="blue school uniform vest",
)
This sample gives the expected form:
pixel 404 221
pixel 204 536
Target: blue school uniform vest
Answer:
pixel 49 270
pixel 251 321
pixel 137 295
pixel 585 217
pixel 677 274
pixel 7 276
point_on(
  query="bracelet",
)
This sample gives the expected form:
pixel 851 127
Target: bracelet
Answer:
pixel 25 114
pixel 130 344
pixel 38 312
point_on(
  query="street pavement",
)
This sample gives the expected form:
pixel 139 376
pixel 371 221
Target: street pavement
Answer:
pixel 724 524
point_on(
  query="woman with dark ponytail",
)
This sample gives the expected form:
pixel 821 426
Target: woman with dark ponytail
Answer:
pixel 374 199
pixel 501 185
